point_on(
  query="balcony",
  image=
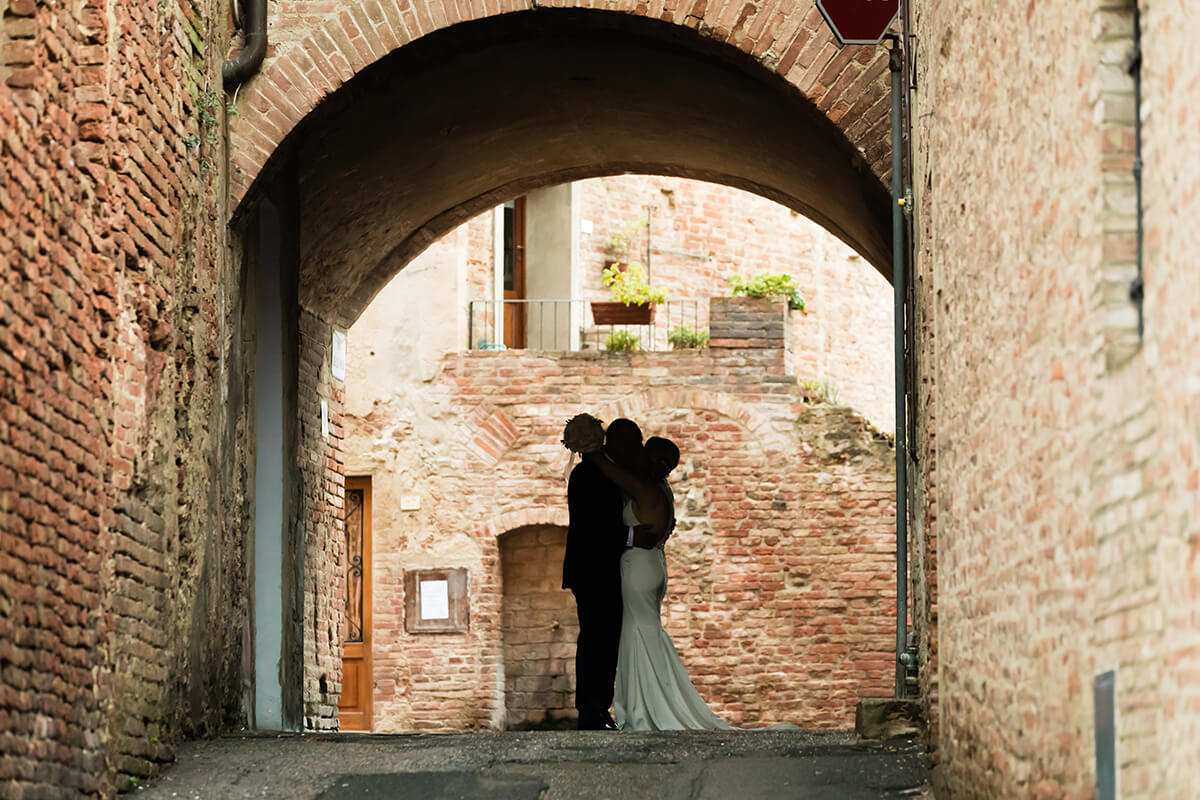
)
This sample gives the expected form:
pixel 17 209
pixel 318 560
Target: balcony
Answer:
pixel 569 325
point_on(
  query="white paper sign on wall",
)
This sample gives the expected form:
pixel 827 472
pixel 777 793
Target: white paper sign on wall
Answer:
pixel 410 502
pixel 435 599
pixel 339 355
pixel 324 418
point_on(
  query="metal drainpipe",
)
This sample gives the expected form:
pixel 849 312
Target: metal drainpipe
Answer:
pixel 1136 286
pixel 895 64
pixel 241 67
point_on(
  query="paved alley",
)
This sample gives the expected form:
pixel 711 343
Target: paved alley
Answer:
pixel 546 766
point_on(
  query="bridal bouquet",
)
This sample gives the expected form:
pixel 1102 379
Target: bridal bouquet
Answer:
pixel 583 434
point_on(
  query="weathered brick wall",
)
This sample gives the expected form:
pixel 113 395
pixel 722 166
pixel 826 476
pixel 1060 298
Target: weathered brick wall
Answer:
pixel 540 627
pixel 781 597
pixel 922 472
pixel 701 234
pixel 316 50
pixel 1015 378
pixel 322 487
pixel 121 396
pixel 741 322
pixel 1171 480
pixel 1066 469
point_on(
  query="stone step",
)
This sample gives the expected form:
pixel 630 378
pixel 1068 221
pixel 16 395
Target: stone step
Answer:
pixel 887 717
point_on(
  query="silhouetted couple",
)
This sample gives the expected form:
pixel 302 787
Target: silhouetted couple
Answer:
pixel 622 512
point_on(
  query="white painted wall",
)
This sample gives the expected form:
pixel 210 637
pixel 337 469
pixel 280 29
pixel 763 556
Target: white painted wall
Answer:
pixel 551 252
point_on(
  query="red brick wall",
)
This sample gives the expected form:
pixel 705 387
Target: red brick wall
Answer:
pixel 704 233
pixel 701 234
pixel 315 51
pixel 121 604
pixel 781 598
pixel 322 484
pixel 1169 365
pixel 1067 452
pixel 540 627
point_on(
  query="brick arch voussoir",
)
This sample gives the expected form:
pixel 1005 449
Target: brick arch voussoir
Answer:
pixel 754 421
pixel 510 521
pixel 787 37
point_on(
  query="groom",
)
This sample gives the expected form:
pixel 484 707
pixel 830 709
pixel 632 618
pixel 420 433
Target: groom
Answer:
pixel 596 538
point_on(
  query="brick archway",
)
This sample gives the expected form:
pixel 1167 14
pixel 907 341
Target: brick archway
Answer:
pixel 430 130
pixel 315 55
pixel 539 627
pixel 759 427
pixel 548 517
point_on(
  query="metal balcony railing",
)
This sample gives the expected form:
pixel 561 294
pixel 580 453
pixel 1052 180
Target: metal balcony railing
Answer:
pixel 568 325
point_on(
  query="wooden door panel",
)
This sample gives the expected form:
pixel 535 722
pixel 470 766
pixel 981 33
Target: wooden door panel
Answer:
pixel 354 706
pixel 514 275
pixel 350 700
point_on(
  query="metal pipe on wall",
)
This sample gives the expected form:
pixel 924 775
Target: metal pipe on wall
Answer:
pixel 895 64
pixel 242 67
pixel 1137 290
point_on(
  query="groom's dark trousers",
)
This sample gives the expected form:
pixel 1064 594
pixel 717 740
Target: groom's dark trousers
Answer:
pixel 596 538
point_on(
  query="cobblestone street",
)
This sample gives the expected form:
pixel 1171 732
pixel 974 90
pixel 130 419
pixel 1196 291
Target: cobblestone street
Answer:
pixel 547 765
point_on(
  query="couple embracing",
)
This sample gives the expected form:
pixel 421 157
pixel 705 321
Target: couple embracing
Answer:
pixel 622 512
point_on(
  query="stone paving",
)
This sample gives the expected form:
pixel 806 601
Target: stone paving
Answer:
pixel 547 765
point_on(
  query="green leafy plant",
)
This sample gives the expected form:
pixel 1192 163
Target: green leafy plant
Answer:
pixel 622 342
pixel 684 338
pixel 629 286
pixel 782 286
pixel 824 391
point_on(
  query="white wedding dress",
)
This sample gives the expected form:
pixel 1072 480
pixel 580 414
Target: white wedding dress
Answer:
pixel 653 691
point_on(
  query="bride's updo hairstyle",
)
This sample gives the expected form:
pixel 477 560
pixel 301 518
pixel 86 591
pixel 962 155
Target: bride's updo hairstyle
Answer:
pixel 663 456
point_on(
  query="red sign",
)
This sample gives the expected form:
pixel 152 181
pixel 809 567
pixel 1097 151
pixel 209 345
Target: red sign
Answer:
pixel 859 21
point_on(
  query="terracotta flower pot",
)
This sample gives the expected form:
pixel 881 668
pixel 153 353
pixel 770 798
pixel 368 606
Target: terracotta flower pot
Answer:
pixel 613 313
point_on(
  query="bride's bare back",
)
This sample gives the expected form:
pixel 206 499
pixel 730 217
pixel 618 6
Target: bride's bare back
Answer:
pixel 646 485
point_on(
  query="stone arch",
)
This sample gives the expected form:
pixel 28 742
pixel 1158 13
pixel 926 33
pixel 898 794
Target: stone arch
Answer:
pixel 758 424
pixel 397 138
pixel 316 57
pixel 531 517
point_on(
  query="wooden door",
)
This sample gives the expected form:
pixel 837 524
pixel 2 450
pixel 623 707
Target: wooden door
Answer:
pixel 514 273
pixel 354 707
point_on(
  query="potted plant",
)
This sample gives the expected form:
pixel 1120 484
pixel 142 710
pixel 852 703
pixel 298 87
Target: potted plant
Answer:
pixel 686 337
pixel 622 342
pixel 779 287
pixel 632 301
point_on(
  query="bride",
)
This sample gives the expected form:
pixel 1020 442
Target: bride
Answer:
pixel 653 691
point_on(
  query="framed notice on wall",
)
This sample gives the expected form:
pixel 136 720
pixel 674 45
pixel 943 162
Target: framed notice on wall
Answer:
pixel 435 600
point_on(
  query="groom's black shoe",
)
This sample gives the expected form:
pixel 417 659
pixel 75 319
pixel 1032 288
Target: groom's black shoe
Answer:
pixel 597 723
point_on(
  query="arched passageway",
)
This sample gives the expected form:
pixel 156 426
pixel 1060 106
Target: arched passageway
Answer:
pixel 447 127
pixel 431 135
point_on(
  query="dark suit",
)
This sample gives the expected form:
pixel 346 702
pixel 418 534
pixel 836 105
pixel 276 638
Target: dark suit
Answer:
pixel 596 539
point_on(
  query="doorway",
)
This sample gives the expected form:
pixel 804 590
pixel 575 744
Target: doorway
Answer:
pixel 354 705
pixel 514 274
pixel 539 629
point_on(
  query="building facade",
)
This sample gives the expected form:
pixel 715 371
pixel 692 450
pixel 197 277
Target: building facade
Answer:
pixel 148 220
pixel 780 600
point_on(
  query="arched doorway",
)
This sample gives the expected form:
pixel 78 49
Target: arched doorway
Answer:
pixel 540 628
